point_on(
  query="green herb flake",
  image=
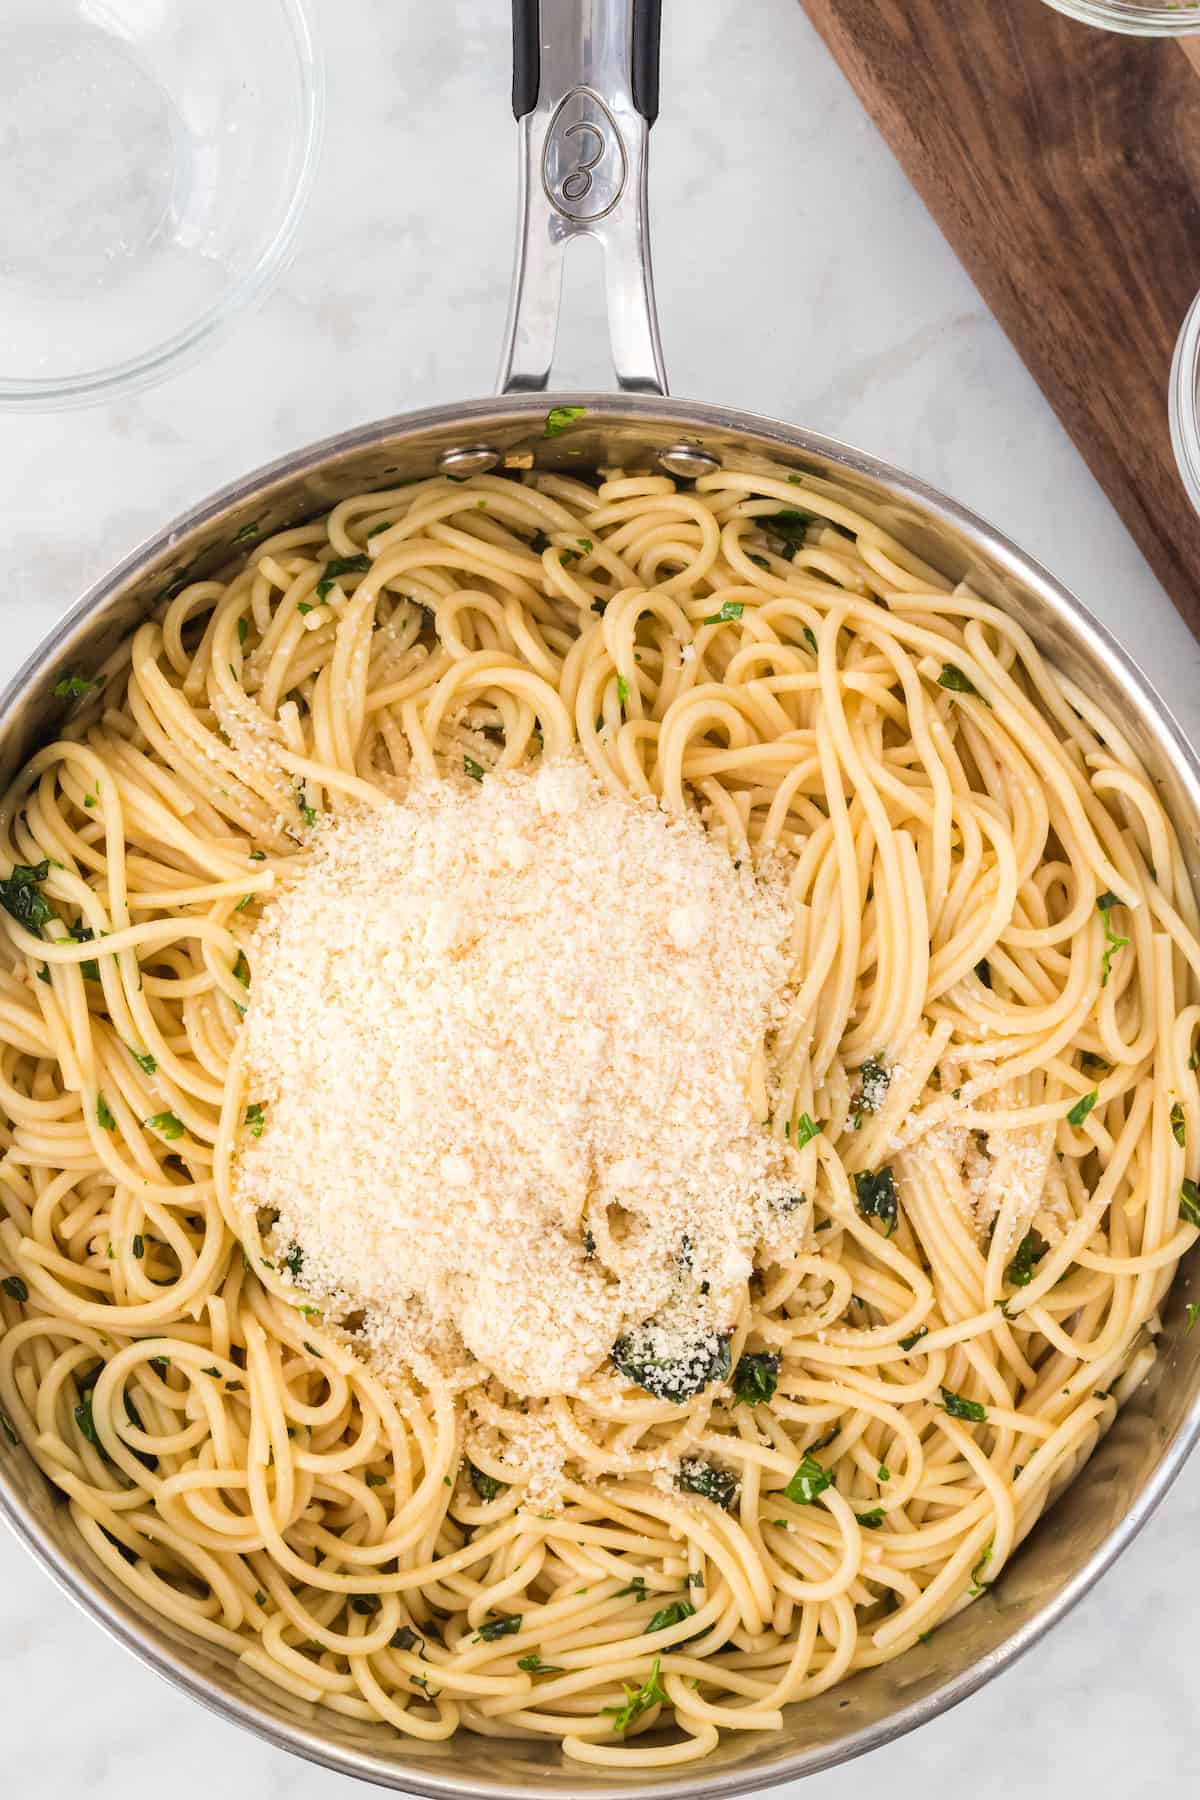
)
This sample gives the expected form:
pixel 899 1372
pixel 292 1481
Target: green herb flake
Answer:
pixel 1082 1108
pixel 293 1262
pixel 622 690
pixel 139 1246
pixel 254 1120
pixel 1179 1125
pixel 241 969
pixel 405 1638
pixel 1193 1313
pixel 810 638
pixel 338 566
pixel 807 1128
pixel 1189 1202
pixel 810 1480
pixel 22 897
pixel 374 1480
pixel 637 1701
pixel 977 1582
pixel 560 417
pixel 873 1082
pixel 695 1476
pixel 167 1124
pixel 675 1379
pixel 74 687
pixel 104 1117
pixel 1112 942
pixel 485 1485
pixel 533 1665
pixel 145 1062
pixel 958 1408
pixel 876 1192
pixel 871 1521
pixel 755 1378
pixel 732 609
pixel 673 1614
pixel 953 678
pixel 883 1473
pixel 1029 1253
pixel 503 1625
pixel 15 1288
pixel 472 768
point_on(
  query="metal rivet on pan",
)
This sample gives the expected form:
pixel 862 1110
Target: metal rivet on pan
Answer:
pixel 688 461
pixel 468 459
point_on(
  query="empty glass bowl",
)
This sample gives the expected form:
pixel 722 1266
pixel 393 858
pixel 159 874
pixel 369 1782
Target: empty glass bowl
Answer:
pixel 1137 18
pixel 155 158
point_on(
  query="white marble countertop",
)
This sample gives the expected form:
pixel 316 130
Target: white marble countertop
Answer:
pixel 798 276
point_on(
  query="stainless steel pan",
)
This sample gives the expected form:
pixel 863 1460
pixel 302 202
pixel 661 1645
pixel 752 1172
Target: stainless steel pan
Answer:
pixel 585 96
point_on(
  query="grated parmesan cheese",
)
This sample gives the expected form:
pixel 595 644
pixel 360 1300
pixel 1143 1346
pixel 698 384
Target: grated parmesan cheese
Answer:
pixel 503 1034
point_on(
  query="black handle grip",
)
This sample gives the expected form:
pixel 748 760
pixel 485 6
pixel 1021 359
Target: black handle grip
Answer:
pixel 644 55
pixel 527 61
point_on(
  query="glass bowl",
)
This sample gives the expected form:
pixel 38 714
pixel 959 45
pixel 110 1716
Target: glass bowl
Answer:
pixel 1185 403
pixel 1137 18
pixel 155 159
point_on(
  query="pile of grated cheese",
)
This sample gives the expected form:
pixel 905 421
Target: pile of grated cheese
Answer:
pixel 509 1042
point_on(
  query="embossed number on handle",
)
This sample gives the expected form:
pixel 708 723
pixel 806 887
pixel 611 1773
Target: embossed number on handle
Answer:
pixel 584 165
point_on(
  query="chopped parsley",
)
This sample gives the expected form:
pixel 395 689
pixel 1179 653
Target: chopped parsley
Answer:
pixel 241 969
pixel 73 687
pixel 807 1129
pixel 810 1480
pixel 637 1587
pixel 673 1377
pixel 533 1665
pixel 167 1124
pixel 1112 942
pixel 1093 1065
pixel 104 1117
pixel 145 1062
pixel 472 768
pixel 695 1476
pixel 952 677
pixel 958 1408
pixel 15 1288
pixel 559 417
pixel 1178 1124
pixel 1082 1108
pixel 622 690
pixel 792 526
pixel 872 1089
pixel 732 609
pixel 254 1120
pixel 876 1193
pixel 21 895
pixel 503 1625
pixel 293 1262
pixel 405 1638
pixel 338 566
pixel 984 972
pixel 139 1246
pixel 243 630
pixel 756 1377
pixel 673 1614
pixel 485 1485
pixel 810 638
pixel 871 1521
pixel 637 1701
pixel 977 1582
pixel 1192 1309
pixel 247 531
pixel 1189 1201
pixel 1029 1253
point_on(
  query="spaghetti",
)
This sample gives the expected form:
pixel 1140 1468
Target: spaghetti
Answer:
pixel 985 1073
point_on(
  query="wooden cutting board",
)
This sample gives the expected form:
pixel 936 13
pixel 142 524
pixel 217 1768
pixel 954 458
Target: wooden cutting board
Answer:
pixel 1063 165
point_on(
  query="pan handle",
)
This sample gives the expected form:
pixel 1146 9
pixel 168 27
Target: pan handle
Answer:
pixel 585 94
